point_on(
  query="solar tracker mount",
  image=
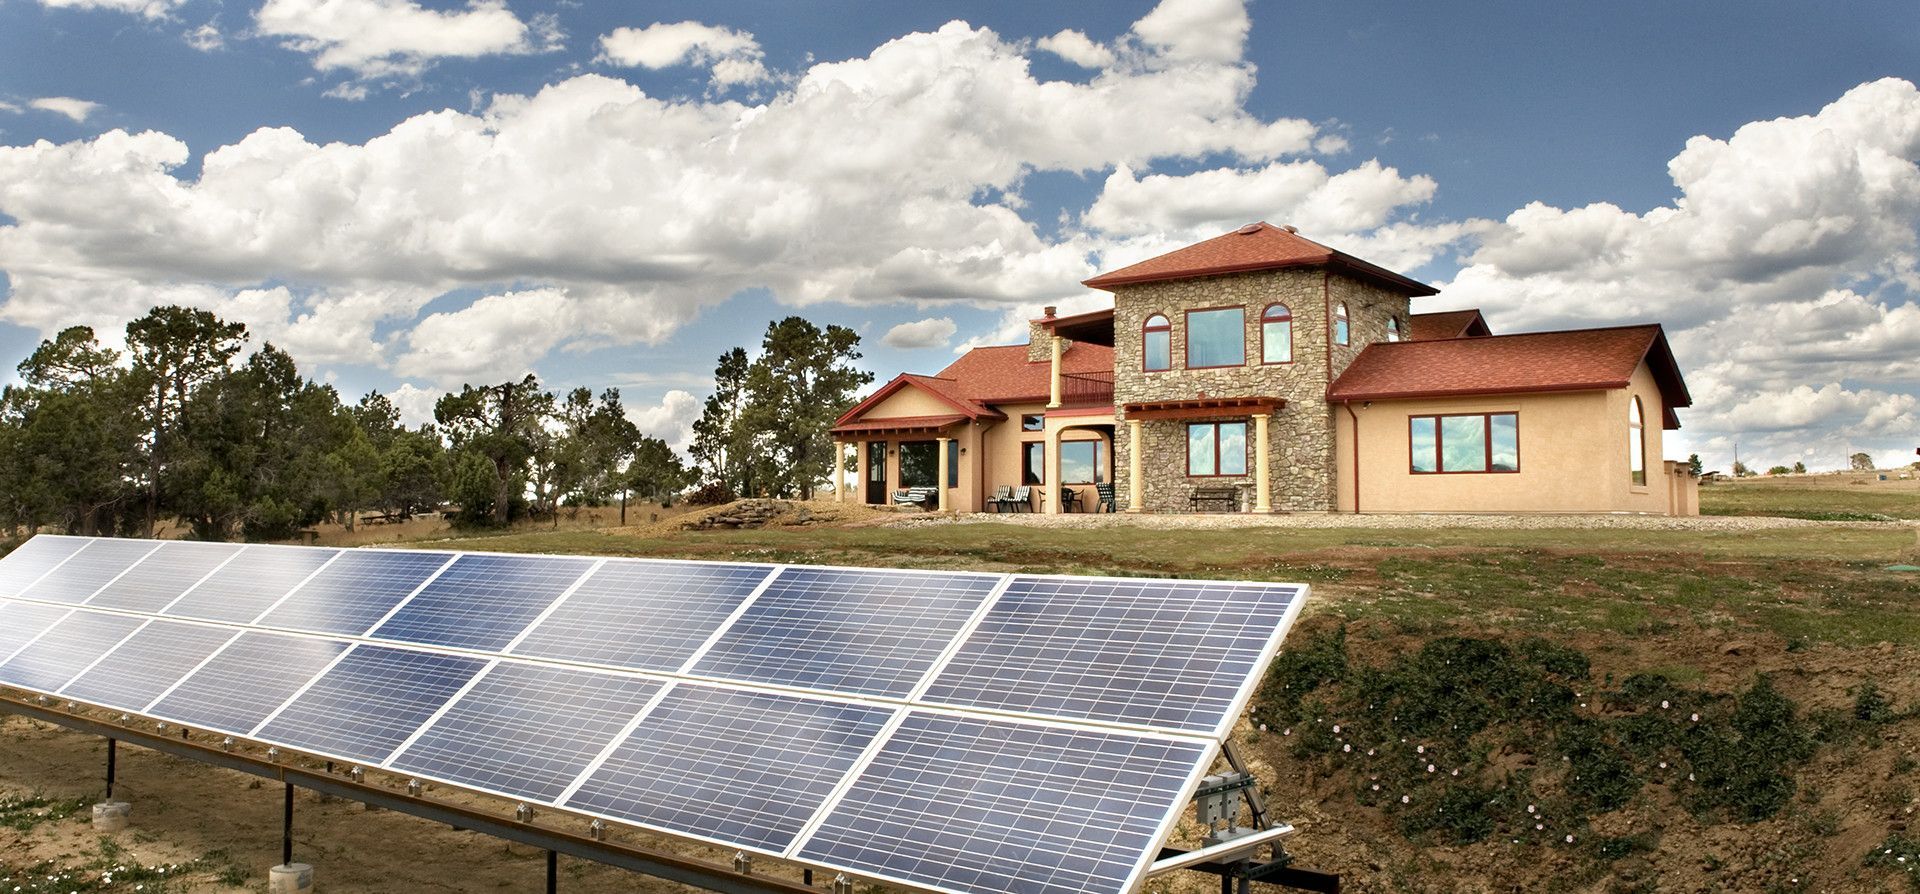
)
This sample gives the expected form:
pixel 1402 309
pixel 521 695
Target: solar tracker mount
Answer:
pixel 954 732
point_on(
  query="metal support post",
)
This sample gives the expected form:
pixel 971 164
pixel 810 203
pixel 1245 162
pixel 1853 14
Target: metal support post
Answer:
pixel 112 747
pixel 806 876
pixel 286 830
pixel 553 872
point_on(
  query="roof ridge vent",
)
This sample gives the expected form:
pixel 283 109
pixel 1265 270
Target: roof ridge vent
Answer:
pixel 1249 229
pixel 1290 228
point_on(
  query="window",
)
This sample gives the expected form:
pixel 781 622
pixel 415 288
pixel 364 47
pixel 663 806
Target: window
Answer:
pixel 1393 329
pixel 1477 442
pixel 1216 337
pixel 1033 422
pixel 1216 449
pixel 953 463
pixel 1276 334
pixel 1340 323
pixel 1158 348
pixel 919 463
pixel 1637 442
pixel 1083 462
pixel 1033 463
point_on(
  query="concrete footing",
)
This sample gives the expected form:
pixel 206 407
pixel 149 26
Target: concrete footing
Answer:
pixel 111 816
pixel 290 878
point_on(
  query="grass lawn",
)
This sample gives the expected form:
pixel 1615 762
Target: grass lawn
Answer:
pixel 1846 497
pixel 1802 584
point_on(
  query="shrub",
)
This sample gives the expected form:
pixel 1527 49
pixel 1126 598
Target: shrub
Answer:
pixel 711 494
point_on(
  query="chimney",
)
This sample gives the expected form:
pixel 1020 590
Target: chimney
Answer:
pixel 1049 311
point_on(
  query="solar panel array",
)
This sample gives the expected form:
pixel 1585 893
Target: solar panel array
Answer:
pixel 951 731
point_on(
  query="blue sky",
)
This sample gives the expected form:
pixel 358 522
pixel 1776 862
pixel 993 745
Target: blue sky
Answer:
pixel 612 194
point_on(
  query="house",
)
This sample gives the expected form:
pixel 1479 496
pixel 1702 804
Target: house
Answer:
pixel 1261 371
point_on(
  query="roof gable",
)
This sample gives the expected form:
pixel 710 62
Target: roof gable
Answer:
pixel 1575 360
pixel 1256 246
pixel 1448 324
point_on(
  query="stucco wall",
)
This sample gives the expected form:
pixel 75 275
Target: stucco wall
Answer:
pixel 908 401
pixel 1300 458
pixel 1573 456
pixel 1005 444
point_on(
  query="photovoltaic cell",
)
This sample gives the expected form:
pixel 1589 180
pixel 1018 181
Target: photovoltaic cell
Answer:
pixel 741 767
pixel 163 575
pixel 246 681
pixel 527 730
pixel 246 586
pixel 639 614
pixel 89 569
pixel 65 650
pixel 1006 807
pixel 20 622
pixel 33 558
pixel 1163 653
pixel 857 631
pixel 483 602
pixel 135 674
pixel 355 591
pixel 370 702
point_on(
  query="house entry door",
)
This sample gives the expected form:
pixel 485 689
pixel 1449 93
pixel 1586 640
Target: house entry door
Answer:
pixel 877 472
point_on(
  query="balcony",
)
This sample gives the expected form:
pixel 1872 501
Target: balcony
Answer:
pixel 1086 389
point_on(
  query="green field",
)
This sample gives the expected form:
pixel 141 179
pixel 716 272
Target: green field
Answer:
pixel 1850 497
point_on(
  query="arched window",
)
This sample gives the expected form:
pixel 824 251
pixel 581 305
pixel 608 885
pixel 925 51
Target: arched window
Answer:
pixel 1340 323
pixel 1158 349
pixel 1393 329
pixel 1637 442
pixel 1276 334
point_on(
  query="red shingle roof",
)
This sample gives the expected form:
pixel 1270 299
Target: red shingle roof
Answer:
pixel 1447 324
pixel 1256 246
pixel 991 375
pixel 1577 360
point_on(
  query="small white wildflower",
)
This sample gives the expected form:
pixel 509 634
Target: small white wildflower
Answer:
pixel 1664 704
pixel 1569 839
pixel 1404 799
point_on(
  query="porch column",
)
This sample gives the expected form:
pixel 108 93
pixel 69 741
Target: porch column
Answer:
pixel 1263 479
pixel 1136 485
pixel 860 471
pixel 941 483
pixel 836 472
pixel 1052 466
pixel 1053 401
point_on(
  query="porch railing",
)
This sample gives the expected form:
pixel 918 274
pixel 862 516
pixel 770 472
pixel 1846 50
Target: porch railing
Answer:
pixel 1086 389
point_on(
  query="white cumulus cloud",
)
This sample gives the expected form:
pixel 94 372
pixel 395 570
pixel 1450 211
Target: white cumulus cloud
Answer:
pixel 1076 47
pixel 374 39
pixel 733 56
pixel 77 110
pixel 151 9
pixel 671 420
pixel 928 333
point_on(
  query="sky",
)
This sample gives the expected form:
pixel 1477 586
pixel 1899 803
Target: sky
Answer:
pixel 408 196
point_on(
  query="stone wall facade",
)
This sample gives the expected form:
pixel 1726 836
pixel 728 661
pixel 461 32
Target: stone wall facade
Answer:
pixel 1301 435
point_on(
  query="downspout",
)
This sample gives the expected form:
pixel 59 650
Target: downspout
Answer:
pixel 1355 432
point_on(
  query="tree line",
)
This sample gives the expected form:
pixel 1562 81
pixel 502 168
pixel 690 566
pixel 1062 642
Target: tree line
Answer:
pixel 180 428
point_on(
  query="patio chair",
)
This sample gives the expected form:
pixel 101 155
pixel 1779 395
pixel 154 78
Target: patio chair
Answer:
pixel 1108 501
pixel 1070 500
pixel 1022 499
pixel 1002 499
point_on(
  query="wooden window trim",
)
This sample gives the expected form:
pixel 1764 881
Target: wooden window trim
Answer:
pixel 1246 432
pixel 1040 474
pixel 1148 328
pixel 1099 447
pixel 1285 318
pixel 1439 443
pixel 1187 320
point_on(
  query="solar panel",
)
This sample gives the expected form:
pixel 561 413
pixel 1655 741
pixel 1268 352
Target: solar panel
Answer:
pixel 483 602
pixel 243 683
pixel 639 614
pixel 1172 654
pixel 369 703
pixel 250 583
pixel 133 675
pixel 1008 807
pixel 742 768
pixel 163 575
pixel 33 558
pixel 527 730
pixel 355 591
pixel 88 570
pixel 65 649
pixel 20 622
pixel 857 631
